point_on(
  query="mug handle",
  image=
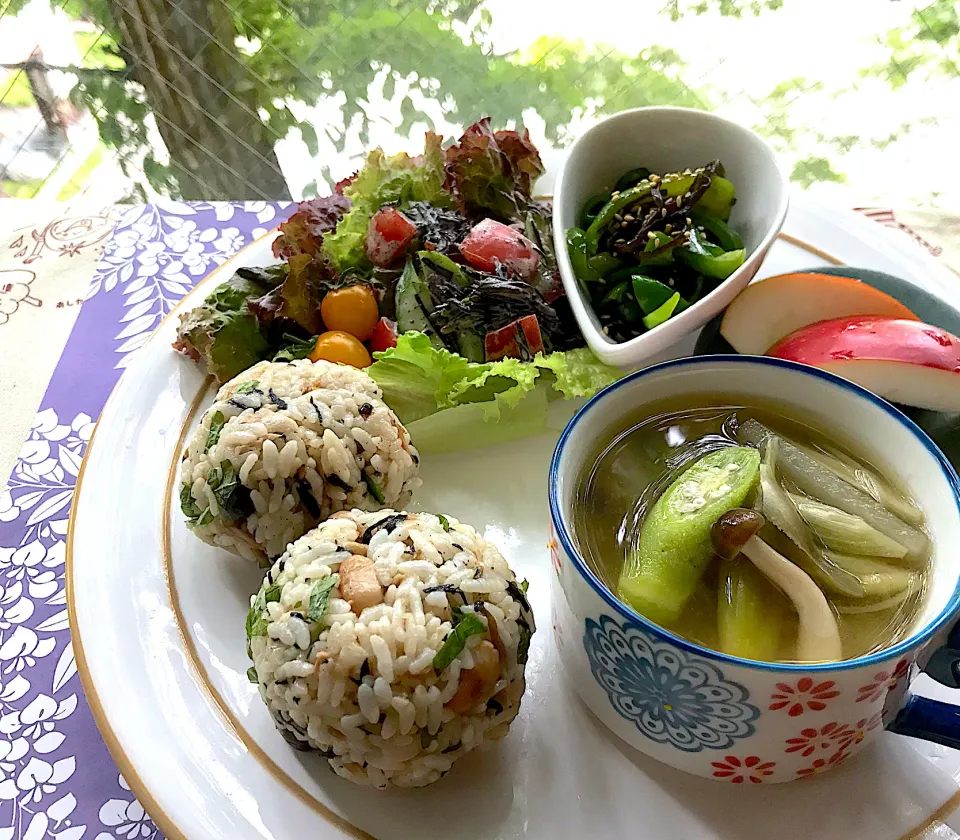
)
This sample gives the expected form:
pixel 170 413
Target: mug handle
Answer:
pixel 934 720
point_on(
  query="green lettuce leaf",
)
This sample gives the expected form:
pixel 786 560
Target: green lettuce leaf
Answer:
pixel 449 403
pixel 578 372
pixel 221 332
pixel 398 180
pixel 227 342
pixel 497 386
pixel 417 376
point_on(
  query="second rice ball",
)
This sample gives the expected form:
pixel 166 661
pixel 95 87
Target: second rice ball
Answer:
pixel 285 445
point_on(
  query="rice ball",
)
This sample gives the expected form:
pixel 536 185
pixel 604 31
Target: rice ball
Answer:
pixel 391 643
pixel 285 445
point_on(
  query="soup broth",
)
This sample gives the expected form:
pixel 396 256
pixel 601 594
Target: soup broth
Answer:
pixel 874 599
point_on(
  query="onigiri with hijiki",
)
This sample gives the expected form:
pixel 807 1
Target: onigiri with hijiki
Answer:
pixel 285 445
pixel 391 643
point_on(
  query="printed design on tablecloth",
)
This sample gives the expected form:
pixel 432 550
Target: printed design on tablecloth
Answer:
pixel 805 695
pixel 36 763
pixel 750 769
pixel 882 682
pixel 156 255
pixel 830 736
pixel 670 696
pixel 47 739
pixel 67 236
pixel 125 819
pixel 15 288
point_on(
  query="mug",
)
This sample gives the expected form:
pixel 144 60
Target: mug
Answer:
pixel 733 719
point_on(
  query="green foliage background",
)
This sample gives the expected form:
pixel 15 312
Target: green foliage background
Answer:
pixel 288 53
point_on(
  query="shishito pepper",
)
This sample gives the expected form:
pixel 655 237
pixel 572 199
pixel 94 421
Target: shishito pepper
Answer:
pixel 720 266
pixel 710 260
pixel 602 264
pixel 670 185
pixel 662 313
pixel 719 198
pixel 726 237
pixel 588 268
pixel 577 243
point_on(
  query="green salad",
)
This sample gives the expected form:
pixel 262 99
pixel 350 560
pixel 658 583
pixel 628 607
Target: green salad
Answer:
pixel 433 272
pixel 654 245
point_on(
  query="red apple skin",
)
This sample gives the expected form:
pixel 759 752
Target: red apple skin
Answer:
pixel 769 310
pixel 905 361
pixel 871 337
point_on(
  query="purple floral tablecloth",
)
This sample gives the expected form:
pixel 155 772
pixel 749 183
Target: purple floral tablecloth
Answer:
pixel 57 779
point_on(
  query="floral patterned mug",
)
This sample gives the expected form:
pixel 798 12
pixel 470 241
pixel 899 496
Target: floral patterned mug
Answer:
pixel 717 715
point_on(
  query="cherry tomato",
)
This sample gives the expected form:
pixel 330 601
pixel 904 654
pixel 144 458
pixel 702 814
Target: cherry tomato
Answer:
pixel 384 335
pixel 339 346
pixel 491 242
pixel 389 234
pixel 352 309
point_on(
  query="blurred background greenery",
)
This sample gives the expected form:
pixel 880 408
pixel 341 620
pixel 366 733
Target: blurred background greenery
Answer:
pixel 272 99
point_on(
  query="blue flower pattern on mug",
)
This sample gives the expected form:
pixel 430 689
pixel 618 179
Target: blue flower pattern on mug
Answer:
pixel 670 696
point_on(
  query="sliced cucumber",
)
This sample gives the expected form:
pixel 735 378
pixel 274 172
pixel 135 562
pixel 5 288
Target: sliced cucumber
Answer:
pixel 413 302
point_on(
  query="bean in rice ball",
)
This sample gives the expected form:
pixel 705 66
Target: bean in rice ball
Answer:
pixel 285 445
pixel 391 643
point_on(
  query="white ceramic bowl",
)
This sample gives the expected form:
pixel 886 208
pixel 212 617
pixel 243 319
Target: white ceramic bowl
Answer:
pixel 717 715
pixel 667 140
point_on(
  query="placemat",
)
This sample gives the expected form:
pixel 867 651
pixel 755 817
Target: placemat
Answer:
pixel 57 779
pixel 48 253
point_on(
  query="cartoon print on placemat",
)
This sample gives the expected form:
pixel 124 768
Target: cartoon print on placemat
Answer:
pixel 65 236
pixel 15 289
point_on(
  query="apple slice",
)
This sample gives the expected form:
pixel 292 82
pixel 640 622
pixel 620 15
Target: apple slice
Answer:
pixel 766 311
pixel 904 361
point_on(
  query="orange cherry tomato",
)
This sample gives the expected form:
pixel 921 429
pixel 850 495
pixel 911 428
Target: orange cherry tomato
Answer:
pixel 352 309
pixel 340 346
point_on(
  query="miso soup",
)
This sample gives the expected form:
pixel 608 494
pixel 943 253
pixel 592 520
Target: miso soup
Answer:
pixel 751 534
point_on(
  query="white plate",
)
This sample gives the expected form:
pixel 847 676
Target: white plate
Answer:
pixel 157 620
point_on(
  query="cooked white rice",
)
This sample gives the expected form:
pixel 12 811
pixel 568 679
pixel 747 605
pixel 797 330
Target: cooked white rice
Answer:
pixel 297 442
pixel 363 689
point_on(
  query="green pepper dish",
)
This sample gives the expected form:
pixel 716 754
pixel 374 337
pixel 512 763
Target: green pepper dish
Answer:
pixel 655 245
